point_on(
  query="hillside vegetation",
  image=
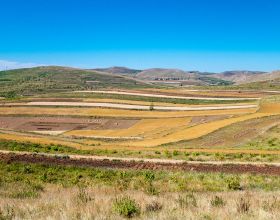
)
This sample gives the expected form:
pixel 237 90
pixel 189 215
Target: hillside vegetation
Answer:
pixel 38 80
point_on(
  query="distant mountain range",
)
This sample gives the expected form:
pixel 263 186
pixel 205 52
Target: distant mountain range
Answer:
pixel 194 77
pixel 41 80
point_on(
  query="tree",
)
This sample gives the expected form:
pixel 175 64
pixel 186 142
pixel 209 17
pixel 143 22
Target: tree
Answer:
pixel 152 106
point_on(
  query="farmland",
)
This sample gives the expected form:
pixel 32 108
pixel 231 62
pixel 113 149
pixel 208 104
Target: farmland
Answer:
pixel 155 142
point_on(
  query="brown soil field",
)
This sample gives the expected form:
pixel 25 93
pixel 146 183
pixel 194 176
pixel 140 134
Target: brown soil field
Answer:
pixel 204 119
pixel 119 164
pixel 62 123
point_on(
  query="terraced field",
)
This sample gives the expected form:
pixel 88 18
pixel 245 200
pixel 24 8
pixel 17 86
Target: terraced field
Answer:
pixel 102 123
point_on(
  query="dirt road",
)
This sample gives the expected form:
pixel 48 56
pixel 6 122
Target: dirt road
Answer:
pixel 137 107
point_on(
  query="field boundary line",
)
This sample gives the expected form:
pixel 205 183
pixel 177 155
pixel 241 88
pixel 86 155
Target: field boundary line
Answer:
pixel 145 160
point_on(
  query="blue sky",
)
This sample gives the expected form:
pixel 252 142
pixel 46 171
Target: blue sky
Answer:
pixel 206 35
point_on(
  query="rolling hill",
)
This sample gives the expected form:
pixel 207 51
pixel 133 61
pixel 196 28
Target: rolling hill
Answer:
pixel 196 78
pixel 183 77
pixel 240 77
pixel 118 70
pixel 270 82
pixel 41 80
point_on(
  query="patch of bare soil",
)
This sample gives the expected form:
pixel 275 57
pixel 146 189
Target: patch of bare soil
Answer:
pixel 204 119
pixel 62 123
pixel 55 100
pixel 138 165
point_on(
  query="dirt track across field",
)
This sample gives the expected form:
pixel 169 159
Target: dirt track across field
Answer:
pixel 137 107
pixel 140 164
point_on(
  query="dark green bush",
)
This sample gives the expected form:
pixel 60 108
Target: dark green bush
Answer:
pixel 126 207
pixel 187 201
pixel 233 183
pixel 217 201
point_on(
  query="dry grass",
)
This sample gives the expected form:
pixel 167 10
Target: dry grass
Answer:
pixel 96 203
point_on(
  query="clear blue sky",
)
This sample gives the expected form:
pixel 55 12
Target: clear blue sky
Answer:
pixel 207 35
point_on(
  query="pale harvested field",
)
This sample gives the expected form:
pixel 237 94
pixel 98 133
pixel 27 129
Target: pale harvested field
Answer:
pixel 133 102
pixel 137 107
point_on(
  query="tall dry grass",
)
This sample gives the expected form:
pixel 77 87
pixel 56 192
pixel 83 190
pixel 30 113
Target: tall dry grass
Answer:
pixel 97 203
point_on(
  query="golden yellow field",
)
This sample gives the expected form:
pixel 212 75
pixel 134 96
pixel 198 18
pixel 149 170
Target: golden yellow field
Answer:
pixel 105 112
pixel 151 129
pixel 154 134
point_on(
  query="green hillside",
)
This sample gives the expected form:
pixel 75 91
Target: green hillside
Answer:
pixel 268 84
pixel 40 80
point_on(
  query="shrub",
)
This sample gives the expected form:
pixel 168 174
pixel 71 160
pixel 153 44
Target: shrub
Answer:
pixel 217 201
pixel 271 205
pixel 153 207
pixel 151 106
pixel 7 214
pixel 83 196
pixel 149 176
pixel 187 200
pixel 167 154
pixel 243 205
pixel 126 207
pixel 152 190
pixel 10 95
pixel 233 183
pixel 176 153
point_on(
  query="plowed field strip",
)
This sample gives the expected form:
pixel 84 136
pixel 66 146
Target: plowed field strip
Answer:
pixel 140 165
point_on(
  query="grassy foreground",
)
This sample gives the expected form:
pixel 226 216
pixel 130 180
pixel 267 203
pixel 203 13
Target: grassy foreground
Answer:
pixel 45 191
